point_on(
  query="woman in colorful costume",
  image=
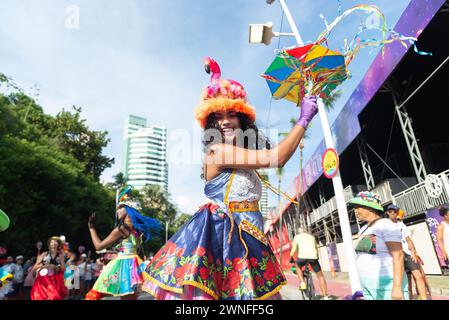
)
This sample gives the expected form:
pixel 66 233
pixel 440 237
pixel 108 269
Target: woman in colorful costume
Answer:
pixel 222 251
pixel 71 274
pixel 121 276
pixel 49 269
pixel 6 278
pixel 6 283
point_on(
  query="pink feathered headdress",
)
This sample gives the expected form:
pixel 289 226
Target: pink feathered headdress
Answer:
pixel 222 95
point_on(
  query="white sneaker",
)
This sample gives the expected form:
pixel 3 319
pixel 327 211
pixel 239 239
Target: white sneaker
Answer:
pixel 326 298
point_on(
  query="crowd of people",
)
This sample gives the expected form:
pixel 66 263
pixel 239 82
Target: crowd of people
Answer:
pixel 78 272
pixel 387 260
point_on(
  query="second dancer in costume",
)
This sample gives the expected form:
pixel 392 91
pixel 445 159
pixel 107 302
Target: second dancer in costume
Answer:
pixel 122 275
pixel 222 251
pixel 49 269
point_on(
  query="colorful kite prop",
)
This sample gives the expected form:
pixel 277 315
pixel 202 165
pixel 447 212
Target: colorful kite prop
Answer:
pixel 317 70
pixel 311 69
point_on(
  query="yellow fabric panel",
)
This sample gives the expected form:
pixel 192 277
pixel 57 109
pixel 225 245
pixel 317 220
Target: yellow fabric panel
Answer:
pixel 319 51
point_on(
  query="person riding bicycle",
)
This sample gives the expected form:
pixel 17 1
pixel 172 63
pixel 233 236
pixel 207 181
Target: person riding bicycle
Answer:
pixel 307 253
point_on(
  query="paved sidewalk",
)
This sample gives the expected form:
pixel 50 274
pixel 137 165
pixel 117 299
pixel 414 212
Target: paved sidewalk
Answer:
pixel 339 286
pixel 336 289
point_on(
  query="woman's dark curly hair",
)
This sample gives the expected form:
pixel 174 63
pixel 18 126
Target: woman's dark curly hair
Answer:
pixel 261 142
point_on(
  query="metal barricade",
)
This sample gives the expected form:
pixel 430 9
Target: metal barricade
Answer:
pixel 415 200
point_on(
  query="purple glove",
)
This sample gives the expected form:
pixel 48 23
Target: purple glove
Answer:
pixel 309 109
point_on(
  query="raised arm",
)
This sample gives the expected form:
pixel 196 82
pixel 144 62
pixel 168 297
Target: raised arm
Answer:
pixel 108 241
pixel 229 156
pixel 38 263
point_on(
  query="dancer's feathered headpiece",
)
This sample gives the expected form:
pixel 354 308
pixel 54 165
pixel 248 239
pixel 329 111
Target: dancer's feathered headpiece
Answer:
pixel 145 225
pixel 125 199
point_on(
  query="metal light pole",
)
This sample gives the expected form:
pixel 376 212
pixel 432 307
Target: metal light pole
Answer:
pixel 341 206
pixel 166 229
pixel 336 181
pixel 116 205
pixel 300 189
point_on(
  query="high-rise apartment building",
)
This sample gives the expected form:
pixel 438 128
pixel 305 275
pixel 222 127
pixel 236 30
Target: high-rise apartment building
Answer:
pixel 144 153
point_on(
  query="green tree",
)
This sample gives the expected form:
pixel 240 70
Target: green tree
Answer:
pixel 119 183
pixel 49 186
pixel 46 193
pixel 67 131
pixel 292 124
pixel 330 101
pixel 156 203
pixel 181 221
pixel 74 137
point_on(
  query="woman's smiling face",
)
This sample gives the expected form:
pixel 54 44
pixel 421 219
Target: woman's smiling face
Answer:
pixel 121 212
pixel 54 245
pixel 228 122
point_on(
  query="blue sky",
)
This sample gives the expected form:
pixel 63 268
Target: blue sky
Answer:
pixel 145 57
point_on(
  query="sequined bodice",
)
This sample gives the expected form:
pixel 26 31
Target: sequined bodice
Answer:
pixel 246 186
pixel 128 245
pixel 49 260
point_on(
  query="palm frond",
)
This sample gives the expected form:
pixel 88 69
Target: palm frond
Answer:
pixel 279 172
pixel 264 175
pixel 330 101
pixel 293 122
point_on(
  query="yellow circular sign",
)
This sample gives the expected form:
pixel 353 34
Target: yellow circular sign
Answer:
pixel 330 163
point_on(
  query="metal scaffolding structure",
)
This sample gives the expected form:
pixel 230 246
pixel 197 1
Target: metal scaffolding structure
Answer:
pixel 367 172
pixel 328 228
pixel 407 129
pixel 410 139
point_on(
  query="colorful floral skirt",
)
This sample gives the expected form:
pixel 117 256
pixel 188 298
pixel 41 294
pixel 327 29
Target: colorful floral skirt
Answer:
pixel 49 287
pixel 120 276
pixel 216 256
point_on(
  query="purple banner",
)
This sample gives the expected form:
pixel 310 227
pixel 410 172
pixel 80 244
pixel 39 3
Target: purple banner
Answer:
pixel 412 22
pixel 433 219
pixel 312 170
pixel 333 256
